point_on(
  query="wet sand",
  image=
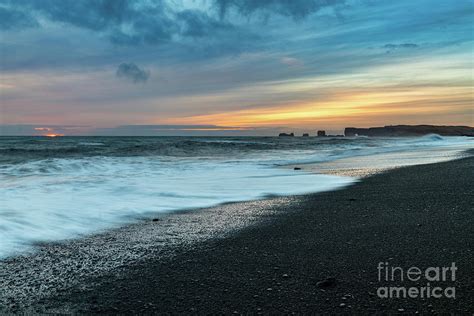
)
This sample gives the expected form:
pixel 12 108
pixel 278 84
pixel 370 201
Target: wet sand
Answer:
pixel 266 256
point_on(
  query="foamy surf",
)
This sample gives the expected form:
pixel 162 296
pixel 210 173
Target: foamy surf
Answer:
pixel 57 189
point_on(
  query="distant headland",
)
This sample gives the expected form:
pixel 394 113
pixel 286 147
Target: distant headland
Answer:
pixel 410 130
pixel 398 130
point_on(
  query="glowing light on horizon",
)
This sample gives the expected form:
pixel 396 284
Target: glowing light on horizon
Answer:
pixel 344 106
pixel 53 135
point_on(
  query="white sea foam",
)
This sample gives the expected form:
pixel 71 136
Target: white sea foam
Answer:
pixel 60 198
pixel 57 198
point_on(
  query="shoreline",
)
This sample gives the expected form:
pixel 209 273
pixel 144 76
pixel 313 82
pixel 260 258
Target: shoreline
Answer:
pixel 92 281
pixel 368 165
pixel 81 262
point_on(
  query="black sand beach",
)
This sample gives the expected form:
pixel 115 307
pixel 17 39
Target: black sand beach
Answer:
pixel 414 216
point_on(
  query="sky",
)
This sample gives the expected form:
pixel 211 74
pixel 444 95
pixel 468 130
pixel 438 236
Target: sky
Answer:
pixel 232 67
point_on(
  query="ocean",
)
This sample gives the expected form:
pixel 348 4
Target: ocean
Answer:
pixel 52 189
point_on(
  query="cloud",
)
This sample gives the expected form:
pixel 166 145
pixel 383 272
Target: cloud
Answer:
pixel 139 22
pixel 196 23
pixel 15 19
pixel 132 72
pixel 89 14
pixel 123 22
pixel 294 8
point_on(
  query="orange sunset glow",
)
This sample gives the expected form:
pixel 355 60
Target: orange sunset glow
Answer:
pixel 364 107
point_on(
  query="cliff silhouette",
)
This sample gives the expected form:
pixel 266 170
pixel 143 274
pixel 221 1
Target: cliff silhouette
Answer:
pixel 410 130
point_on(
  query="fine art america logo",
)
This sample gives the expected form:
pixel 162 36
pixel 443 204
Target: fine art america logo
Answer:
pixel 433 280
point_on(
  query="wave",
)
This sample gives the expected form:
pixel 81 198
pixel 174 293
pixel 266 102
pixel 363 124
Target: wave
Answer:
pixel 431 137
pixel 63 198
pixel 62 188
pixel 91 144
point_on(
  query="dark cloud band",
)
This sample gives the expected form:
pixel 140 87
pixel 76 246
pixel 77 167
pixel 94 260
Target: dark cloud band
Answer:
pixel 293 8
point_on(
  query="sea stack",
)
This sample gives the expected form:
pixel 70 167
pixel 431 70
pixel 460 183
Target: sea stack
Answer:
pixel 286 135
pixel 321 133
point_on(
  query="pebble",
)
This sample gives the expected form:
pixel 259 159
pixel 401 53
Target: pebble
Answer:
pixel 326 283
